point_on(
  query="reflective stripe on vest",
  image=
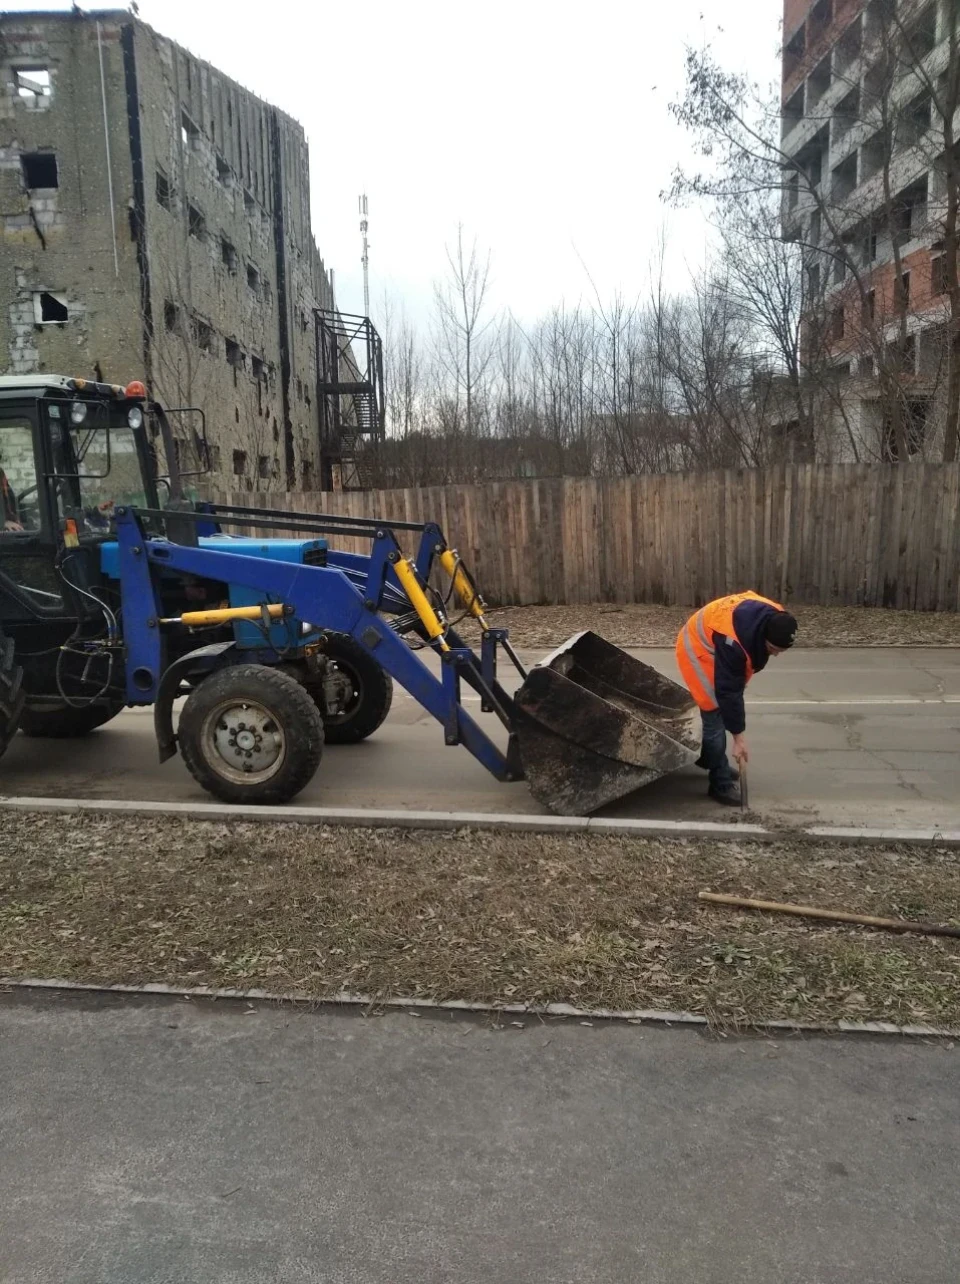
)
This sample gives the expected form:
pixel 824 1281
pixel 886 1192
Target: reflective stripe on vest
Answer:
pixel 699 625
pixel 697 666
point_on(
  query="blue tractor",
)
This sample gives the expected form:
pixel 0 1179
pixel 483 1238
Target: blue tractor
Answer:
pixel 116 590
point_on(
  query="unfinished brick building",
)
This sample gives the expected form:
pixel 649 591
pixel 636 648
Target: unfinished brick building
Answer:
pixel 870 107
pixel 155 221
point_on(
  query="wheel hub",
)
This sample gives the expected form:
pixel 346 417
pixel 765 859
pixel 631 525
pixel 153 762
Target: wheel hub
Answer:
pixel 246 738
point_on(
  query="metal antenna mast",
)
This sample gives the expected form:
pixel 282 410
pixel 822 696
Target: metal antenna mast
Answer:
pixel 365 260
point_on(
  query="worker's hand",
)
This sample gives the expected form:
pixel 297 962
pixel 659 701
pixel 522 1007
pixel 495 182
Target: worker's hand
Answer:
pixel 12 526
pixel 740 751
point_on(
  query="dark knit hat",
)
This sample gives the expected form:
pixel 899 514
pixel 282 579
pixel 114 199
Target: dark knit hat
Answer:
pixel 781 630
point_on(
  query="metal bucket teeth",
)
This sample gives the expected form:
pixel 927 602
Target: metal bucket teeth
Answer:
pixel 593 724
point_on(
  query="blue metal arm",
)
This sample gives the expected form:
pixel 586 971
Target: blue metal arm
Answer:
pixel 321 596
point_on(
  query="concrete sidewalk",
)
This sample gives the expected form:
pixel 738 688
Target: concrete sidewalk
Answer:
pixel 177 1142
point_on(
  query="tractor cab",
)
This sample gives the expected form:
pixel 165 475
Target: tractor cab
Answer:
pixel 70 450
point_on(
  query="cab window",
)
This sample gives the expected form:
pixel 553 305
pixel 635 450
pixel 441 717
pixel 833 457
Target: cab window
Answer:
pixel 18 477
pixel 98 465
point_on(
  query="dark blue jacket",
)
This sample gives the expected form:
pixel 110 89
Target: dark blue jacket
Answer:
pixel 730 663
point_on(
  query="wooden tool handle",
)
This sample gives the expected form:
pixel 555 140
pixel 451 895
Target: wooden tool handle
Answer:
pixel 833 916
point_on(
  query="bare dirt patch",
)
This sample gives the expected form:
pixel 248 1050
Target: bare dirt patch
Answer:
pixel 657 626
pixel 597 921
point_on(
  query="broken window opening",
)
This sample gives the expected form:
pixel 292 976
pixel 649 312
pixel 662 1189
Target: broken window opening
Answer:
pixel 914 413
pixel 265 467
pixel 235 354
pixel 224 172
pixel 171 317
pixel 920 38
pixel 197 223
pixel 164 191
pixel 909 213
pixel 39 169
pixel 253 278
pixel 902 291
pixel 836 323
pixel 189 131
pixel 256 368
pixel 249 201
pixel 228 254
pixel 239 463
pixel 939 276
pixel 33 84
pixel 794 51
pixel 203 333
pixel 49 308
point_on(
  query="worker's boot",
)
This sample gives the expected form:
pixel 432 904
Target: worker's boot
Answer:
pixel 728 796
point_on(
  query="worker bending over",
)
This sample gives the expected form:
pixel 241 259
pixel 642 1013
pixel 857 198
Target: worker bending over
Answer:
pixel 719 650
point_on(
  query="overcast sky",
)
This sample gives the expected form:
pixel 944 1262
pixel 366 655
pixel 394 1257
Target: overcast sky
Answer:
pixel 541 125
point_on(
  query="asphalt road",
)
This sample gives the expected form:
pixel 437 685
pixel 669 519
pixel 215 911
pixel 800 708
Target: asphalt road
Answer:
pixel 841 736
pixel 174 1143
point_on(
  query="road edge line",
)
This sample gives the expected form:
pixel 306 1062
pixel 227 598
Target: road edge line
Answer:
pixel 562 1011
pixel 373 818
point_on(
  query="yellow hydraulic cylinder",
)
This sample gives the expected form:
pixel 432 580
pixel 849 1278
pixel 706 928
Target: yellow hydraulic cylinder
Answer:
pixel 223 615
pixel 410 583
pixel 462 586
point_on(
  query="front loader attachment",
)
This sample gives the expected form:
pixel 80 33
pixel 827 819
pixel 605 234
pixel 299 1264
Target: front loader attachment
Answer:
pixel 593 724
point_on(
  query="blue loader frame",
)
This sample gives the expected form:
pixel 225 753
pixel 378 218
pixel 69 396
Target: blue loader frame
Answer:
pixel 345 596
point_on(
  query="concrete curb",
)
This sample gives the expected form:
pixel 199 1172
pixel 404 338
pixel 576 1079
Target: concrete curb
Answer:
pixel 566 1011
pixel 372 818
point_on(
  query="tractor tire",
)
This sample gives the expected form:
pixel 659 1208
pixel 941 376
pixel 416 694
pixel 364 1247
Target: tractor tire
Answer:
pixel 11 692
pixel 66 723
pixel 372 693
pixel 251 734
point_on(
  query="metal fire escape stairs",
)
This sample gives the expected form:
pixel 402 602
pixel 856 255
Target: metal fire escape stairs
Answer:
pixel 350 398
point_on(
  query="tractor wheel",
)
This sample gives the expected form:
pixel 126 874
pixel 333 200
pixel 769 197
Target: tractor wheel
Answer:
pixel 371 693
pixel 251 734
pixel 67 723
pixel 11 691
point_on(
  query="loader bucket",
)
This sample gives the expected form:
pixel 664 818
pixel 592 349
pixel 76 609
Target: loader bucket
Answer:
pixel 593 724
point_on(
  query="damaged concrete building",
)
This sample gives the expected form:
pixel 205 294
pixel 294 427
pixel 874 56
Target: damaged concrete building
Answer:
pixel 156 224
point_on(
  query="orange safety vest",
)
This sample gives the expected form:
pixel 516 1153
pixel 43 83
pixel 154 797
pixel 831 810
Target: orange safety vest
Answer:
pixel 696 652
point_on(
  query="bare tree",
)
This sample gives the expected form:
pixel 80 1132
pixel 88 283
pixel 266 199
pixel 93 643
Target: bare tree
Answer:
pixel 463 339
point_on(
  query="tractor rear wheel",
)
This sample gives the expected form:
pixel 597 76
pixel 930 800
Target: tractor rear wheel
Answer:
pixel 369 698
pixel 67 722
pixel 251 734
pixel 11 691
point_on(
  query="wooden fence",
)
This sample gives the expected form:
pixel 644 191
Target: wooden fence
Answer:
pixel 845 534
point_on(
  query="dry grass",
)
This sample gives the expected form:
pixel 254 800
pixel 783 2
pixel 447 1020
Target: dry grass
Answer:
pixel 598 921
pixel 657 626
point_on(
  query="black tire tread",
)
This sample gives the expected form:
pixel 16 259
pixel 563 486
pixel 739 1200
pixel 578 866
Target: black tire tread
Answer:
pixel 290 701
pixel 378 692
pixel 12 695
pixel 67 723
